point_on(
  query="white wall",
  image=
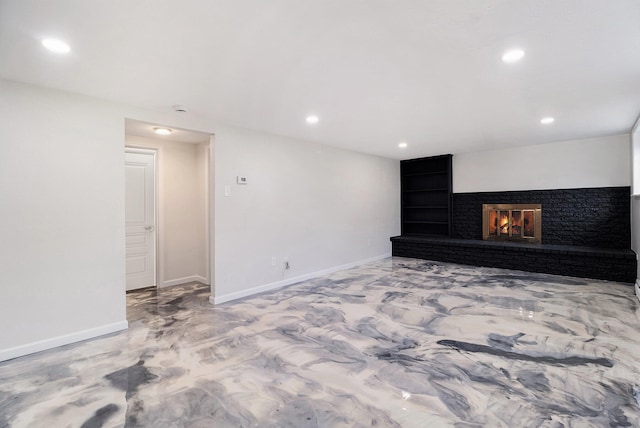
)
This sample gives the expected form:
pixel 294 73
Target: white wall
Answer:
pixel 318 206
pixel 202 207
pixel 635 156
pixel 62 219
pixel 635 190
pixel 181 209
pixel 594 162
pixel 62 210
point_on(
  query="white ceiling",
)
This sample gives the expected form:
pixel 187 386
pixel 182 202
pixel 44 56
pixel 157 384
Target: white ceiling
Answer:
pixel 376 72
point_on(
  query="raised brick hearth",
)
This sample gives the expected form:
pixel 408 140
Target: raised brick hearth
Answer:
pixel 585 233
pixel 585 262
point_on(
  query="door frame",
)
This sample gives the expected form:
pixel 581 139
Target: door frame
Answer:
pixel 156 205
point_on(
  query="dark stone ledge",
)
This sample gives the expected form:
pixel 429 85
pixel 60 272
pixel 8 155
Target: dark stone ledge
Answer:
pixel 586 262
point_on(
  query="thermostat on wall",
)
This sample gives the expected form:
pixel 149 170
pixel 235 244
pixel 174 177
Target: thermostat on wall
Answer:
pixel 241 180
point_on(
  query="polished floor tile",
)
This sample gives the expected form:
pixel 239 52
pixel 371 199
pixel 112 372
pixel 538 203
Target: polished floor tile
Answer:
pixel 395 343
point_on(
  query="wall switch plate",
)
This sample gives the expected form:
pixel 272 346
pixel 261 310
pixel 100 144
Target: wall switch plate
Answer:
pixel 227 190
pixel 273 260
pixel 241 180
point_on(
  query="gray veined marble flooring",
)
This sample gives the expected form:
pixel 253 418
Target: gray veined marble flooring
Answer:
pixel 398 342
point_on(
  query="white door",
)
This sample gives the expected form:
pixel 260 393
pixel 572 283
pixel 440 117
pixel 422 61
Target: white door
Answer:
pixel 140 218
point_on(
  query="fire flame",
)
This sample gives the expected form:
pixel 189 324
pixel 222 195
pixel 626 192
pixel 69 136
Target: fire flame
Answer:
pixel 504 223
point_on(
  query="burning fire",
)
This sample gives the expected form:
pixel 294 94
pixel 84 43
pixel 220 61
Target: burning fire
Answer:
pixel 504 223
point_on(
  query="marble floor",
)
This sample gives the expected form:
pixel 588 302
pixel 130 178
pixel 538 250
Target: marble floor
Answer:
pixel 395 343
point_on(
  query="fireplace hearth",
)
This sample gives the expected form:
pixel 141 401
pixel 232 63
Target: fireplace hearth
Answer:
pixel 512 222
pixel 587 233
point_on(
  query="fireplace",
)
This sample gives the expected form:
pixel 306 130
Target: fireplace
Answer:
pixel 586 233
pixel 512 222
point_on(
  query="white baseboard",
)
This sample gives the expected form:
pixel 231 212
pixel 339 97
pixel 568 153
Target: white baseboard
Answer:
pixel 274 285
pixel 637 287
pixel 185 280
pixel 54 342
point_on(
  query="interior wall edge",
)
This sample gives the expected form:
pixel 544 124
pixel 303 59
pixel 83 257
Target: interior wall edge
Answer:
pixel 54 342
pixel 184 280
pixel 290 281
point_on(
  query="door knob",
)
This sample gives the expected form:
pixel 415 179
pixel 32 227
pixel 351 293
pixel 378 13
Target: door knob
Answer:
pixel 148 228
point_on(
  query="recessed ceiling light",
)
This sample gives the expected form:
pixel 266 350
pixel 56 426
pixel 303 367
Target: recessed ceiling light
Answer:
pixel 312 119
pixel 56 45
pixel 162 131
pixel 402 145
pixel 513 55
pixel 547 120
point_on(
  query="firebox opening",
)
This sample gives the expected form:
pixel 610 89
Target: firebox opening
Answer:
pixel 515 222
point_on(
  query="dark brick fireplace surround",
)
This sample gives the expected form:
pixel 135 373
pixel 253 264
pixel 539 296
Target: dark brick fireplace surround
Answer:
pixel 585 233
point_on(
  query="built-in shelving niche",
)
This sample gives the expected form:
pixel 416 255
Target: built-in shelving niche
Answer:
pixel 426 196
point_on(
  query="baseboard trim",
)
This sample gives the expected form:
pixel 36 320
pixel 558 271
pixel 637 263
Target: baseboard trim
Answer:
pixel 186 279
pixel 54 342
pixel 637 287
pixel 216 300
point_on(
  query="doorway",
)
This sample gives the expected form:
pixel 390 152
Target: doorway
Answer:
pixel 183 183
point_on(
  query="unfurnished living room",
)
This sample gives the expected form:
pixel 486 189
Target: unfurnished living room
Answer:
pixel 413 213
